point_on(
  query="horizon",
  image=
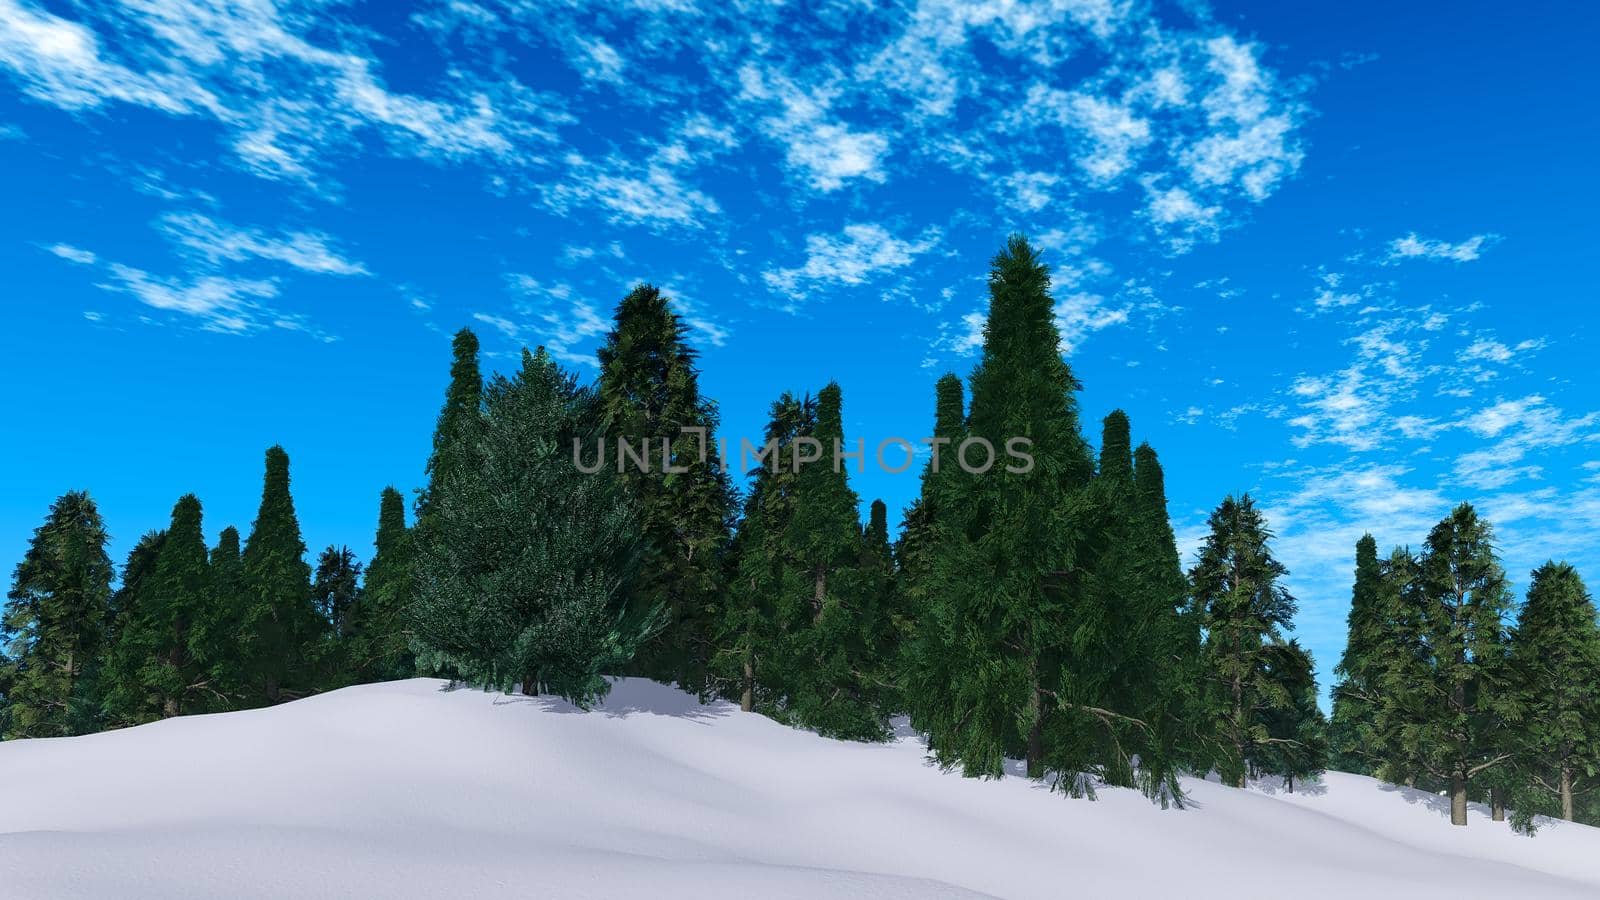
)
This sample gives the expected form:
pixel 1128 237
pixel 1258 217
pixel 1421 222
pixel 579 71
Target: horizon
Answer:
pixel 1274 242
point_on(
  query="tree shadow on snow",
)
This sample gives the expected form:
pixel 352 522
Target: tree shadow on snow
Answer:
pixel 1274 784
pixel 636 696
pixel 1438 803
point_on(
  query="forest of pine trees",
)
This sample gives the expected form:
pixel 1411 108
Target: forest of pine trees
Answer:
pixel 1033 611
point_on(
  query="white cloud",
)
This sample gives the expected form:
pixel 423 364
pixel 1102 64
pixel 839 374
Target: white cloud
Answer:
pixel 859 253
pixel 1080 315
pixel 73 254
pixel 1413 247
pixel 826 150
pixel 308 251
pixel 553 316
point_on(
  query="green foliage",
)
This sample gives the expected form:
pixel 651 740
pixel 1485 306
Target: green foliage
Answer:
pixel 280 624
pixel 1444 694
pixel 335 593
pixel 1355 695
pixel 379 645
pixel 522 562
pixel 1554 696
pixel 459 419
pixel 648 394
pixel 176 650
pixel 1243 608
pixel 54 623
pixel 1296 744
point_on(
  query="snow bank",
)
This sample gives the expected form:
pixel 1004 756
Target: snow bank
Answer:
pixel 407 789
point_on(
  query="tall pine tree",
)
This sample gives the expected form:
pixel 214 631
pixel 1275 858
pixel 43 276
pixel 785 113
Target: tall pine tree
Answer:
pixel 380 642
pixel 55 620
pixel 1444 703
pixel 280 624
pixel 1355 695
pixel 1243 607
pixel 649 395
pixel 1555 671
pixel 459 420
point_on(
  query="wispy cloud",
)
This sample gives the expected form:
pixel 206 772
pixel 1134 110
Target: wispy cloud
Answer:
pixel 860 252
pixel 1413 247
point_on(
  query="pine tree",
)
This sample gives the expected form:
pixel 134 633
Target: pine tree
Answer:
pixel 1296 744
pixel 459 419
pixel 380 639
pixel 1555 672
pixel 1244 608
pixel 832 625
pixel 54 622
pixel 1355 694
pixel 171 658
pixel 280 623
pixel 335 593
pixel 747 630
pixel 522 561
pixel 1397 659
pixel 650 396
pixel 1010 582
pixel 1446 708
pixel 1181 732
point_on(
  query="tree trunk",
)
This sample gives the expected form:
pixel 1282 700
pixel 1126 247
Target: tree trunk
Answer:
pixel 1458 800
pixel 1036 729
pixel 820 593
pixel 1239 731
pixel 1497 804
pixel 1566 791
pixel 1289 781
pixel 530 686
pixel 747 700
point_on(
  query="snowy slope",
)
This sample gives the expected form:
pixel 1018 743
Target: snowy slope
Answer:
pixel 406 789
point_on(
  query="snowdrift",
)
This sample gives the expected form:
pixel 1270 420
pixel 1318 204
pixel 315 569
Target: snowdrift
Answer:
pixel 409 789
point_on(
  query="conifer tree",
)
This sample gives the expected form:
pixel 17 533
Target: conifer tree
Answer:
pixel 171 657
pixel 522 561
pixel 747 629
pixel 280 624
pixel 336 588
pixel 650 396
pixel 1397 659
pixel 1181 732
pixel 1555 672
pixel 54 622
pixel 459 419
pixel 1446 707
pixel 380 640
pixel 1244 607
pixel 1011 583
pixel 1355 694
pixel 922 643
pixel 1296 744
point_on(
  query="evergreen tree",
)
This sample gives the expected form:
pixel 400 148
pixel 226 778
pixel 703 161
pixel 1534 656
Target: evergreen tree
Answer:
pixel 380 640
pixel 1014 666
pixel 1447 706
pixel 747 631
pixel 280 624
pixel 1244 608
pixel 54 622
pixel 171 657
pixel 1397 659
pixel 522 561
pixel 459 419
pixel 336 588
pixel 1296 744
pixel 1355 694
pixel 649 394
pixel 1555 670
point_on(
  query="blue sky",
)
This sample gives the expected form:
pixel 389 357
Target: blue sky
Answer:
pixel 1340 255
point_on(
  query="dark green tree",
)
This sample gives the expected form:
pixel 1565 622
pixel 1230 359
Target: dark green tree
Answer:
pixel 336 588
pixel 54 622
pixel 522 561
pixel 1447 708
pixel 459 420
pixel 380 642
pixel 1244 607
pixel 650 397
pixel 171 656
pixel 1355 694
pixel 1296 744
pixel 1015 665
pixel 1555 688
pixel 747 630
pixel 280 623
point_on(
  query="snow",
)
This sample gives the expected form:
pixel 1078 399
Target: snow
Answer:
pixel 408 789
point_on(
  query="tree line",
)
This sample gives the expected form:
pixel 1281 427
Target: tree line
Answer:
pixel 1042 616
pixel 1445 686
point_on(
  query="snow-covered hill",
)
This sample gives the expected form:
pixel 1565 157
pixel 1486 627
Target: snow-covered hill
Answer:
pixel 410 790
